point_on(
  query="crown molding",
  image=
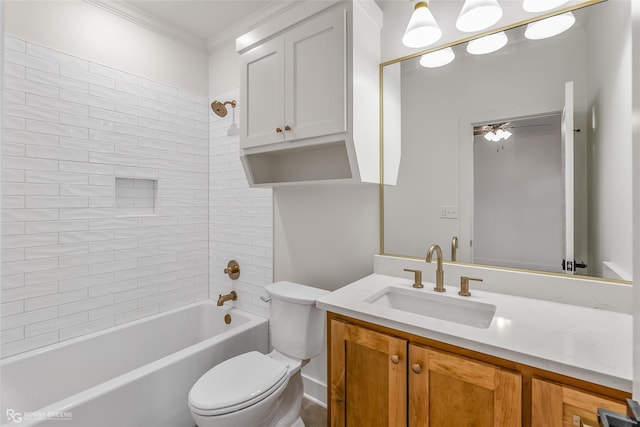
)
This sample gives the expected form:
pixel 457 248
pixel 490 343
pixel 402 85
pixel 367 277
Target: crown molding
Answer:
pixel 150 22
pixel 259 16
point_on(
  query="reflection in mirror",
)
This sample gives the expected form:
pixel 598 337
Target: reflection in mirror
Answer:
pixel 541 199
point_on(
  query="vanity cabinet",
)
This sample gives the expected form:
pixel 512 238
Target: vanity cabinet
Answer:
pixel 558 405
pixel 294 86
pixel 384 377
pixel 309 94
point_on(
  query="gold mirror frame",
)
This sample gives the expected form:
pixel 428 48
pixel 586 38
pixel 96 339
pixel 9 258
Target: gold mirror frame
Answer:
pixel 443 46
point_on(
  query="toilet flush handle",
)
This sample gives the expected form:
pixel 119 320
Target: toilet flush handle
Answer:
pixel 265 299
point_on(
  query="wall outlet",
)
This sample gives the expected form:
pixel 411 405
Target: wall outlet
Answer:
pixel 449 212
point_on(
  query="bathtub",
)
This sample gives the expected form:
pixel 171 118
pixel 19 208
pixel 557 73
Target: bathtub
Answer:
pixel 135 374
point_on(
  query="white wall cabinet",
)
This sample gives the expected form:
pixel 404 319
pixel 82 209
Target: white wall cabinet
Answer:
pixel 302 85
pixel 296 83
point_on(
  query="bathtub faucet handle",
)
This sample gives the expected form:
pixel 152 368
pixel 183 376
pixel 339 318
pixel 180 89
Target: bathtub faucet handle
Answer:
pixel 233 269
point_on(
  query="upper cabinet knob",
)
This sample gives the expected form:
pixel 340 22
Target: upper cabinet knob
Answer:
pixel 278 130
pixel 287 128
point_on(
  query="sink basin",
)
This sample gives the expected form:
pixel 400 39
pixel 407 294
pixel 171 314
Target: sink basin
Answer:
pixel 451 309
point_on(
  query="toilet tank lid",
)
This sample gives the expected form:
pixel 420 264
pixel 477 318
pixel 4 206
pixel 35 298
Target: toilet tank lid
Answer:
pixel 295 292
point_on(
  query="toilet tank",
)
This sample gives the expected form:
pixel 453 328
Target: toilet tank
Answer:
pixel 297 325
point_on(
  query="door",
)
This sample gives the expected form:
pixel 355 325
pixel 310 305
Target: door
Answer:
pixel 568 168
pixel 262 94
pixel 446 390
pixel 316 76
pixel 368 372
pixel 556 405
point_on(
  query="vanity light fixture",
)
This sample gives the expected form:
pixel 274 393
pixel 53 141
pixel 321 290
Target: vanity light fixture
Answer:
pixel 541 5
pixel 549 27
pixel 438 58
pixel 422 29
pixel 477 15
pixel 487 44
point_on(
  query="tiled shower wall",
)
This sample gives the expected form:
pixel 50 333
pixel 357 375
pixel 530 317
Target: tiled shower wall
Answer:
pixel 240 218
pixel 70 264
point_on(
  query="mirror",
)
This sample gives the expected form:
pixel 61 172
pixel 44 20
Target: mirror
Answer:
pixel 556 195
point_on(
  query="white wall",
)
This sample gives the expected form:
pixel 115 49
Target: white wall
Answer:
pixel 70 265
pixel 635 23
pixel 609 100
pixel 224 70
pixel 84 30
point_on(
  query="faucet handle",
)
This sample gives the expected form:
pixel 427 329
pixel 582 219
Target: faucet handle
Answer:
pixel 417 279
pixel 464 285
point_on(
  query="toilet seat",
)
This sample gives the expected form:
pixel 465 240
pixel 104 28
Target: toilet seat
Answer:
pixel 237 383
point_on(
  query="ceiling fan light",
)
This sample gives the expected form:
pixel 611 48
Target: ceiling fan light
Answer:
pixel 437 58
pixel 477 15
pixel 549 27
pixel 541 5
pixel 487 44
pixel 506 134
pixel 422 29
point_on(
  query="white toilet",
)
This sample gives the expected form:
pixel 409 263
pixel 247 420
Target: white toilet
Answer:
pixel 258 390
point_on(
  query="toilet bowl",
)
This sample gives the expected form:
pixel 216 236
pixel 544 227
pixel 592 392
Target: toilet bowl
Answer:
pixel 265 390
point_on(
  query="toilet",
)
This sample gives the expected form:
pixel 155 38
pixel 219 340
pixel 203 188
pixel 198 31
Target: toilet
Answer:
pixel 265 390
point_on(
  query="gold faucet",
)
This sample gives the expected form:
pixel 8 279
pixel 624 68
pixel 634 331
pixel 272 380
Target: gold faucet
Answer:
pixel 439 271
pixel 454 246
pixel 231 296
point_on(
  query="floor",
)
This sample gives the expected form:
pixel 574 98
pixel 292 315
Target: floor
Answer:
pixel 313 415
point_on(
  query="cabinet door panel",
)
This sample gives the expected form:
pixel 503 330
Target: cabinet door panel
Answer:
pixel 368 384
pixel 315 64
pixel 262 103
pixel 453 391
pixel 555 405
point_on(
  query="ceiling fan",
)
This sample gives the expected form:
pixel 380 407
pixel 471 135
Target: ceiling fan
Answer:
pixel 500 131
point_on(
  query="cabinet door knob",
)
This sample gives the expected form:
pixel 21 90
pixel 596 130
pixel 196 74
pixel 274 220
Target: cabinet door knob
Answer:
pixel 416 368
pixel 278 130
pixel 287 128
pixel 395 359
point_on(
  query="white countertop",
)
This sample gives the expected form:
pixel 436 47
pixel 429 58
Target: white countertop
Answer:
pixel 586 343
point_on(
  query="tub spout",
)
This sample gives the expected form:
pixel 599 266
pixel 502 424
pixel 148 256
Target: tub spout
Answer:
pixel 231 296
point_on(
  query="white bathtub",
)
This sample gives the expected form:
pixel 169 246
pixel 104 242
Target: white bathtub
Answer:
pixel 136 374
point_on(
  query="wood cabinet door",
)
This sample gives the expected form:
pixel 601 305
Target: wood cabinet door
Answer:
pixel 557 405
pixel 446 390
pixel 316 76
pixel 368 377
pixel 262 94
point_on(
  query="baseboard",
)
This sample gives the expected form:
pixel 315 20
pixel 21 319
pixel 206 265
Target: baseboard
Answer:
pixel 314 390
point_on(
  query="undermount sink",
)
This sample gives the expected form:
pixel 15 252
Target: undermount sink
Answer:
pixel 451 309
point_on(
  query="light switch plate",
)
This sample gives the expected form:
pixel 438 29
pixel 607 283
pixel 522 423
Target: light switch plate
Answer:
pixel 449 212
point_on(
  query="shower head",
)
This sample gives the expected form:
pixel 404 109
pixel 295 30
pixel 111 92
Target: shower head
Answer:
pixel 220 109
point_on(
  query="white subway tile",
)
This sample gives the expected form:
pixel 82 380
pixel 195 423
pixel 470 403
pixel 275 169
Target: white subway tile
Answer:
pixel 137 90
pixel 136 130
pixel 86 190
pixel 55 227
pixel 101 202
pixel 87 145
pixel 130 316
pixel 21 189
pixel 113 116
pixel 30 112
pixel 85 305
pixel 55 324
pixel 85 236
pixel 12 229
pixel 56 56
pixel 157 124
pixel 85 282
pixel 58 274
pixel 113 159
pixel 55 80
pixel 22 137
pixel 19 215
pixel 12 149
pixel 113 223
pixel 13 43
pixel 113 288
pixel 28 164
pixel 53 300
pixel 87 213
pixel 13 122
pixel 85 259
pixel 12 202
pixel 135 273
pixel 56 104
pixel 24 292
pixel 56 202
pixel 86 122
pixel 136 111
pixel 55 250
pixel 9 255
pixel 12 335
pixel 112 310
pixel 158 145
pixel 107 267
pixel 88 168
pixel 112 94
pixel 15 96
pixel 85 99
pixel 57 129
pixel 112 73
pixel 158 105
pixel 23 85
pixel 86 328
pixel 27 344
pixel 11 308
pixel 113 245
pixel 14 281
pixel 19 58
pixel 28 266
pixel 86 76
pixel 27 318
